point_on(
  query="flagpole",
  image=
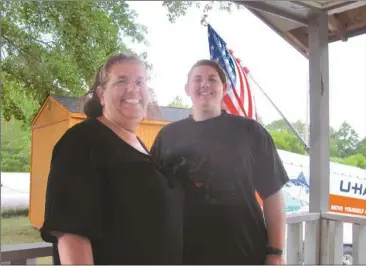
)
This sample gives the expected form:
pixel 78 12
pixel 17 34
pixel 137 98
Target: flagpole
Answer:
pixel 306 147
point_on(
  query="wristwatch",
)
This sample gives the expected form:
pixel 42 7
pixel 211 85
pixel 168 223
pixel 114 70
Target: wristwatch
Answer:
pixel 274 251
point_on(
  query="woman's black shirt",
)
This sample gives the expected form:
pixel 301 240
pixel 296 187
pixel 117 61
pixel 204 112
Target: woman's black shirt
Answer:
pixel 102 188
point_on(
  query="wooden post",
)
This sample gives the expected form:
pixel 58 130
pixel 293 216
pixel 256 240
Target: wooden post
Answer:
pixel 319 117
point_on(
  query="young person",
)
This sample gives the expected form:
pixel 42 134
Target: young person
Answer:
pixel 223 160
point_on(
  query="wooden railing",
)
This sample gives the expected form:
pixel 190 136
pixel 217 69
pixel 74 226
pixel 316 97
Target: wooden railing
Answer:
pixel 24 254
pixel 332 238
pixel 301 238
pixel 318 239
pixel 311 239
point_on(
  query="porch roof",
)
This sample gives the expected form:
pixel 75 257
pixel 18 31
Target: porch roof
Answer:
pixel 290 19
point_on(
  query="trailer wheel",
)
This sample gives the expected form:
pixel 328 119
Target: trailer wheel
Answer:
pixel 347 255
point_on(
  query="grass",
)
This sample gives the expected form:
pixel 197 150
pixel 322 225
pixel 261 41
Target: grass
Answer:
pixel 18 230
pixel 14 212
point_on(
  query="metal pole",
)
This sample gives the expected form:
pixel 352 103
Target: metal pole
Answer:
pixel 306 147
pixel 306 128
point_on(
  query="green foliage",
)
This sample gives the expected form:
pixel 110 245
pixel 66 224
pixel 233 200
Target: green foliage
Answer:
pixel 178 102
pixel 357 160
pixel 336 160
pixel 344 146
pixel 345 139
pixel 56 46
pixel 14 212
pixel 333 148
pixel 18 230
pixel 281 125
pixel 177 9
pixel 361 147
pixel 15 146
pixel 284 140
pixel 53 47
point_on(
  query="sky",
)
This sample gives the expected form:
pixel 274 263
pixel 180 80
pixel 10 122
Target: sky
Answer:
pixel 280 70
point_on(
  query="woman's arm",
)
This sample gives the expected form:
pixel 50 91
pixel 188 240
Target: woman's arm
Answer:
pixel 74 250
pixel 73 200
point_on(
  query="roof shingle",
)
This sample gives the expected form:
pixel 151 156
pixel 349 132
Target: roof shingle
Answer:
pixel 164 113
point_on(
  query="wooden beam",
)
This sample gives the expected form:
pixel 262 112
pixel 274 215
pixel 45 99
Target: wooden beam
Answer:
pixel 354 19
pixel 347 6
pixel 282 34
pixel 335 6
pixel 299 38
pixel 337 27
pixel 346 19
pixel 272 9
pixel 308 4
pixel 319 122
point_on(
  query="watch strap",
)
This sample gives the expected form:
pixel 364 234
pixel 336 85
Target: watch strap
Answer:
pixel 274 251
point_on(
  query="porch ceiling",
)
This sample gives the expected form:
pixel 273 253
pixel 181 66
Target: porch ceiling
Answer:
pixel 289 19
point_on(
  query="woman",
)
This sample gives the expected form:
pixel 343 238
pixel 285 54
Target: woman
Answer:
pixel 224 160
pixel 107 202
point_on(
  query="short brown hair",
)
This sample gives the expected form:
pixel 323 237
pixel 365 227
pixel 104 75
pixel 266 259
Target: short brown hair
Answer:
pixel 211 63
pixel 90 103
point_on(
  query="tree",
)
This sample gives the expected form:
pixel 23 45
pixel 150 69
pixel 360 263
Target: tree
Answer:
pixel 15 146
pixel 345 140
pixel 179 8
pixel 178 102
pixel 278 125
pixel 333 148
pixel 281 125
pixel 16 136
pixel 357 160
pixel 287 141
pixel 300 127
pixel 55 47
pixel 361 147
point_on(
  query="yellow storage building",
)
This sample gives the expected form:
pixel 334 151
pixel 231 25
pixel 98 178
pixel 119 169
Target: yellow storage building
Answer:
pixel 59 113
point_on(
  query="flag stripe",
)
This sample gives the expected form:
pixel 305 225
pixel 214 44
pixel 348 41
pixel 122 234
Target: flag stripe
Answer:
pixel 250 106
pixel 230 105
pixel 241 89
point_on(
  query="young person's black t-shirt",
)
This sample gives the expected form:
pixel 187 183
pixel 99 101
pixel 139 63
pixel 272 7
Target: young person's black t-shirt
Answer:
pixel 222 162
pixel 101 188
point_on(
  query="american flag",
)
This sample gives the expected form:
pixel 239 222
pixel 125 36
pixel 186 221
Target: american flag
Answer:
pixel 238 99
